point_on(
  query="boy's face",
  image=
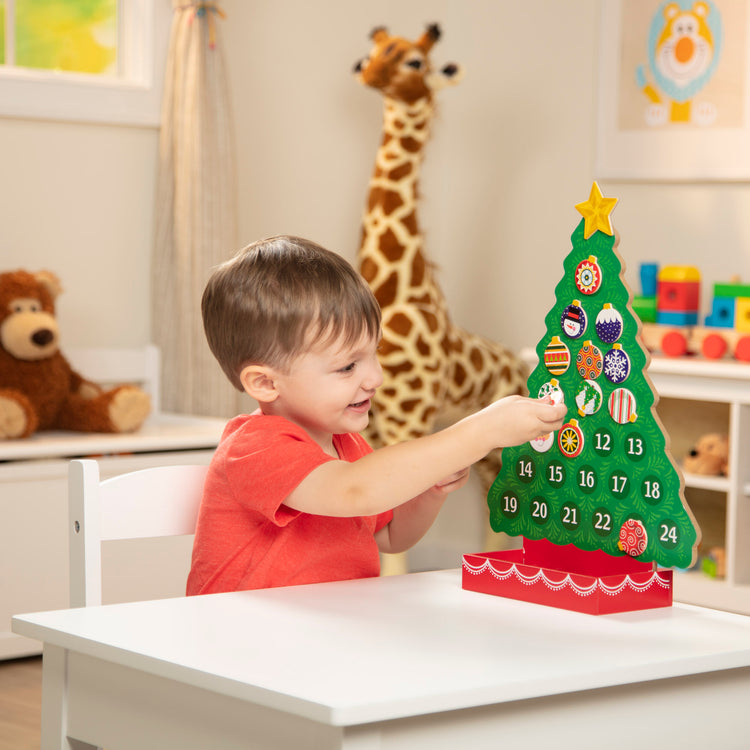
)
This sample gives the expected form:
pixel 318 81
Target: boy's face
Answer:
pixel 327 389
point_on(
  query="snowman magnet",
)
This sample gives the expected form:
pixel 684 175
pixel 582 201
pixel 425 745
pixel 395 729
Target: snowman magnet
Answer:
pixel 573 321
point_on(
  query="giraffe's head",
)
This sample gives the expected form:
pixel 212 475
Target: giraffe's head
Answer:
pixel 401 69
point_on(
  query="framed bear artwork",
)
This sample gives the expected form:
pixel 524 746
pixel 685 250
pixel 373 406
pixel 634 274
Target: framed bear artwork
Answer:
pixel 674 84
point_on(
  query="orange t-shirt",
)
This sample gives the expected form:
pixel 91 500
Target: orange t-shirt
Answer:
pixel 246 538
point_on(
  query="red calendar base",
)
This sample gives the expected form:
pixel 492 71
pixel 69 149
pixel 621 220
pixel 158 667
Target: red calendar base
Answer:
pixel 568 578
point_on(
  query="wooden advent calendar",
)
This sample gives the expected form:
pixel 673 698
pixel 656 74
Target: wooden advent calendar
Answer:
pixel 600 503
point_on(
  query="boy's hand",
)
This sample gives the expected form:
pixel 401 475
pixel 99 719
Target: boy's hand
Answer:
pixel 514 419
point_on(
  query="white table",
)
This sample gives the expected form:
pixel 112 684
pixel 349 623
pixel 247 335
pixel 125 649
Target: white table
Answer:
pixel 401 662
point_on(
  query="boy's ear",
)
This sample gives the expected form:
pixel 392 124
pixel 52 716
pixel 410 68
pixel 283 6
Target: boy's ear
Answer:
pixel 259 382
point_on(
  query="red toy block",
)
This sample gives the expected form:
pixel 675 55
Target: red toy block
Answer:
pixel 678 296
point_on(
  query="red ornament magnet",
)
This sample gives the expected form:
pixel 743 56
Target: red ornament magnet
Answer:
pixel 570 439
pixel 588 276
pixel 633 537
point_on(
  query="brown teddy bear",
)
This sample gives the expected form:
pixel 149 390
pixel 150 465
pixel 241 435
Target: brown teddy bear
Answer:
pixel 710 455
pixel 38 388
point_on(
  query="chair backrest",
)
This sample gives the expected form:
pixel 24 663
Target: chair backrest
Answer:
pixel 155 502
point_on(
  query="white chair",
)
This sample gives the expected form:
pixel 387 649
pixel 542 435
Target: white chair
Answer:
pixel 155 502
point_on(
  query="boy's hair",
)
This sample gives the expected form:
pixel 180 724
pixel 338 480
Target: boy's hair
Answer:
pixel 277 297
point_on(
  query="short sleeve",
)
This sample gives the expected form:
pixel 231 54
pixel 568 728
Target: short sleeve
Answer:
pixel 266 462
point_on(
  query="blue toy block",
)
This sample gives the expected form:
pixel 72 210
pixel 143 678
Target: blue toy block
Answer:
pixel 672 318
pixel 722 313
pixel 648 273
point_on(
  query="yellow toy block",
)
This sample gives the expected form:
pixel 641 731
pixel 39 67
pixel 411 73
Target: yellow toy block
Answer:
pixel 742 315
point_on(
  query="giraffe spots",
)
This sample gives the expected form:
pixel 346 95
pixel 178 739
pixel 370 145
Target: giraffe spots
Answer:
pixel 394 370
pixel 423 347
pixel 369 269
pixel 385 294
pixel 459 374
pixel 488 386
pixel 476 359
pixel 390 246
pixel 415 384
pixel 388 347
pixel 431 320
pixel 400 324
pixel 410 404
pixel 410 145
pixel 410 224
pixel 391 201
pixel 376 195
pixel 417 270
pixel 400 172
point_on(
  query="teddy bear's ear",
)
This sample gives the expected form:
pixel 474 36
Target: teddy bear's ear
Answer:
pixel 50 282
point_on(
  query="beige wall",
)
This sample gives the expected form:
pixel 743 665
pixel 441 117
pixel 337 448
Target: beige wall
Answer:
pixel 512 153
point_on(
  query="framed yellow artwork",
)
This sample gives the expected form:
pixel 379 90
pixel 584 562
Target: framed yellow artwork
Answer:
pixel 674 90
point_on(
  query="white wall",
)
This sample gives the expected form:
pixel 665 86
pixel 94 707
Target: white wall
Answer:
pixel 78 200
pixel 512 153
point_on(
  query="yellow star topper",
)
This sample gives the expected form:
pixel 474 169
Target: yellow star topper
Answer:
pixel 596 211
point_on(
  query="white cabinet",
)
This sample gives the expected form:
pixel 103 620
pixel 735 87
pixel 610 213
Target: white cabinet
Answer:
pixel 34 519
pixel 34 500
pixel 696 397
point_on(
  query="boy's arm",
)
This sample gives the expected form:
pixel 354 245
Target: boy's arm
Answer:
pixel 413 519
pixel 390 476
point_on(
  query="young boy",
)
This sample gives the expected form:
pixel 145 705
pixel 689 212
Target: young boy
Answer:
pixel 294 494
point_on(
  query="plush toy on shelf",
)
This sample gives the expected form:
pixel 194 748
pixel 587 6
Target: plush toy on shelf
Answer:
pixel 38 388
pixel 709 456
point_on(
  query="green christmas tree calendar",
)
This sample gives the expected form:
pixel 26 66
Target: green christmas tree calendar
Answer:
pixel 600 503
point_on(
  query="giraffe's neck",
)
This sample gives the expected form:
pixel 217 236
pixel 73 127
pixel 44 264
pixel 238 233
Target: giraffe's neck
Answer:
pixel 391 242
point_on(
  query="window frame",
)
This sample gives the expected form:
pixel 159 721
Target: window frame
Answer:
pixel 133 99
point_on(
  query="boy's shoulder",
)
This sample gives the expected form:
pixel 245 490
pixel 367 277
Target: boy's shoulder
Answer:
pixel 261 427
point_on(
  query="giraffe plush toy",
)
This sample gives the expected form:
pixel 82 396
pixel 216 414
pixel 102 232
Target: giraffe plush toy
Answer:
pixel 432 369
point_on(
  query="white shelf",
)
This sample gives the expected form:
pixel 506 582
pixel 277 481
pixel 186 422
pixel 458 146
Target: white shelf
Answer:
pixel 695 587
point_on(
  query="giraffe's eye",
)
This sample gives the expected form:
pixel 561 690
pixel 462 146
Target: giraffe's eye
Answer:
pixel 416 64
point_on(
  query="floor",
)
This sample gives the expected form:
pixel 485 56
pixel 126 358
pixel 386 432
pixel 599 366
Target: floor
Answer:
pixel 20 703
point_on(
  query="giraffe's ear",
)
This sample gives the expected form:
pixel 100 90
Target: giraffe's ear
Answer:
pixel 429 37
pixel 378 34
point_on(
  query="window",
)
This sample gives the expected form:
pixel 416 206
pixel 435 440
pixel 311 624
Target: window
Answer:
pixel 83 60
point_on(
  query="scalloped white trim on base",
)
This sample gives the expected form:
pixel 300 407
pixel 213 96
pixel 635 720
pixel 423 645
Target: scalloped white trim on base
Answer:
pixel 541 574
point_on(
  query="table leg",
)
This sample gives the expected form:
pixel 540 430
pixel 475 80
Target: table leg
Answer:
pixel 55 702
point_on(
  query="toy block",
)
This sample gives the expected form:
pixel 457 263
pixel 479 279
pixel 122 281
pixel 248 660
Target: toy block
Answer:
pixel 742 315
pixel 648 274
pixel 676 318
pixel 645 309
pixel 722 313
pixel 731 289
pixel 680 296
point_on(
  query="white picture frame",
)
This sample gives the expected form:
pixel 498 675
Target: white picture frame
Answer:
pixel 629 148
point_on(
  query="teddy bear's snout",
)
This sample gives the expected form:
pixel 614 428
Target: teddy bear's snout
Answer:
pixel 43 337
